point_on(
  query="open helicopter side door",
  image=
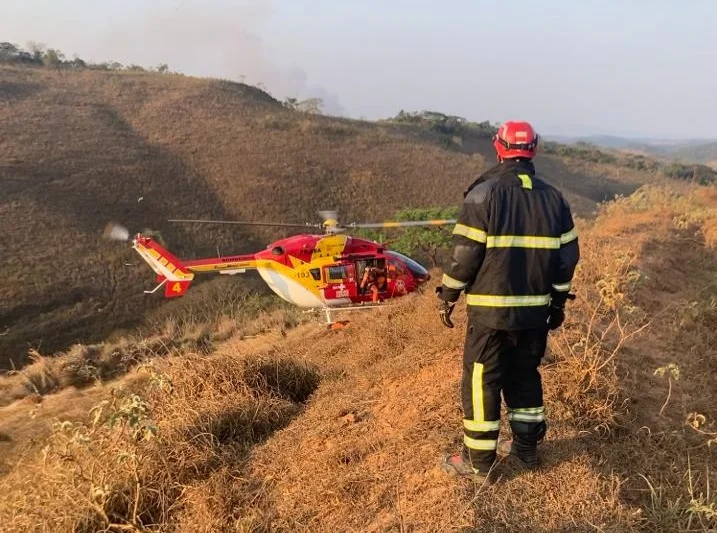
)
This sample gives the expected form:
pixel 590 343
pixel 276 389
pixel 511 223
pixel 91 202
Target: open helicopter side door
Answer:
pixel 340 284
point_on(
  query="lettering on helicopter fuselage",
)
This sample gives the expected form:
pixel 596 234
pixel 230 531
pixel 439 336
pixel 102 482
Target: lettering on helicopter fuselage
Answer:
pixel 322 252
pixel 243 264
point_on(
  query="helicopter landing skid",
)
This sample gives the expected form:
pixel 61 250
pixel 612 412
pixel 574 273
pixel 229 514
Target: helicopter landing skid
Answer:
pixel 340 324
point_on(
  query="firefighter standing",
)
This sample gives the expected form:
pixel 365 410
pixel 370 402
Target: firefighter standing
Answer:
pixel 515 251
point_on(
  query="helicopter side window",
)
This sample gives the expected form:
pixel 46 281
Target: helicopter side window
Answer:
pixel 315 273
pixel 336 273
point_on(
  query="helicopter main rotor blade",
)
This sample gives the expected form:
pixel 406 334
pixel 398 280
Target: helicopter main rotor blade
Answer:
pixel 239 223
pixel 404 224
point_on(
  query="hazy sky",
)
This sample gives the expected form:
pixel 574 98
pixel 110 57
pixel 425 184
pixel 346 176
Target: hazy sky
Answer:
pixel 631 67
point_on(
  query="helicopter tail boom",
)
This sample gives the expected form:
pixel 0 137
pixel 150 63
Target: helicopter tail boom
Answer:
pixel 171 273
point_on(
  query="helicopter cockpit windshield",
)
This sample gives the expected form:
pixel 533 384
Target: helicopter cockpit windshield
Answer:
pixel 418 271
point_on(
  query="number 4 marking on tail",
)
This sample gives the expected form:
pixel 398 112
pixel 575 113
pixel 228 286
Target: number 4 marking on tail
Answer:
pixel 177 287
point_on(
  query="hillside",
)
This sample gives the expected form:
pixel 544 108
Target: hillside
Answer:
pixel 80 148
pixel 698 153
pixel 312 430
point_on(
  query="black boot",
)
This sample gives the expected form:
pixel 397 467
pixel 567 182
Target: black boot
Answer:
pixel 526 453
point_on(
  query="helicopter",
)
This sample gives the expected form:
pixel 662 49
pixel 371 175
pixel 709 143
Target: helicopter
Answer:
pixel 318 272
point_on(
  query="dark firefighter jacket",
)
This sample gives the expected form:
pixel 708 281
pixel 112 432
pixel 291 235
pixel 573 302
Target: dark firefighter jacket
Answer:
pixel 515 249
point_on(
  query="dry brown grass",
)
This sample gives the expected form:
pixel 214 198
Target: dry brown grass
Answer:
pixel 193 326
pixel 342 431
pixel 128 467
pixel 81 148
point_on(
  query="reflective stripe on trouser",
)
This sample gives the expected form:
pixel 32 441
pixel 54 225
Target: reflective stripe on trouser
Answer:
pixel 495 361
pixel 526 414
pixel 481 422
pixel 480 394
pixel 528 425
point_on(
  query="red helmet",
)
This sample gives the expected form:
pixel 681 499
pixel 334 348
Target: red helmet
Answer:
pixel 516 139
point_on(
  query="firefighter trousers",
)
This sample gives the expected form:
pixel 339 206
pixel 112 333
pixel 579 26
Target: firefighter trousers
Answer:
pixel 496 361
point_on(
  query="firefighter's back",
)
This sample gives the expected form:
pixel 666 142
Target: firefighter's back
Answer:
pixel 525 222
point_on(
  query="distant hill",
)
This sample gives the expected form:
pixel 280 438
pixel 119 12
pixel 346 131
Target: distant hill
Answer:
pixel 689 151
pixel 82 147
pixel 604 141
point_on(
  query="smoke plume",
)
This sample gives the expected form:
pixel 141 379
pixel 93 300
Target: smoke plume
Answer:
pixel 216 42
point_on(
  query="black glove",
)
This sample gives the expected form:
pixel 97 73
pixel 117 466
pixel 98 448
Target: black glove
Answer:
pixel 446 309
pixel 556 311
pixel 445 312
pixel 556 316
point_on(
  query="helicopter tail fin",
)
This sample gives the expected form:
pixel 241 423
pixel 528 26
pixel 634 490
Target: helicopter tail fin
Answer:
pixel 172 274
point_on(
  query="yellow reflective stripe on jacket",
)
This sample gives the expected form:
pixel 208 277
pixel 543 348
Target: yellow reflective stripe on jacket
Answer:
pixel 522 241
pixel 490 300
pixel 562 287
pixel 481 425
pixel 526 181
pixel 514 241
pixel 480 444
pixel 571 235
pixel 452 283
pixel 473 234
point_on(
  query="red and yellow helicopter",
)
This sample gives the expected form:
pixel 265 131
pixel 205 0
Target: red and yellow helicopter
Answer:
pixel 328 272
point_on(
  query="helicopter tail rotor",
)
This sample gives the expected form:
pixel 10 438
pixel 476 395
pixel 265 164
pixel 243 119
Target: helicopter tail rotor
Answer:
pixel 115 232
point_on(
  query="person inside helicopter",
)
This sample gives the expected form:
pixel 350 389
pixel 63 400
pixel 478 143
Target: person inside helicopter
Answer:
pixel 374 278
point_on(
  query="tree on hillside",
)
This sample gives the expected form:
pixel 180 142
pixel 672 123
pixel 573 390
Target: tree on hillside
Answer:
pixel 52 58
pixel 8 51
pixel 291 103
pixel 11 53
pixel 449 125
pixel 37 50
pixel 76 63
pixel 701 174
